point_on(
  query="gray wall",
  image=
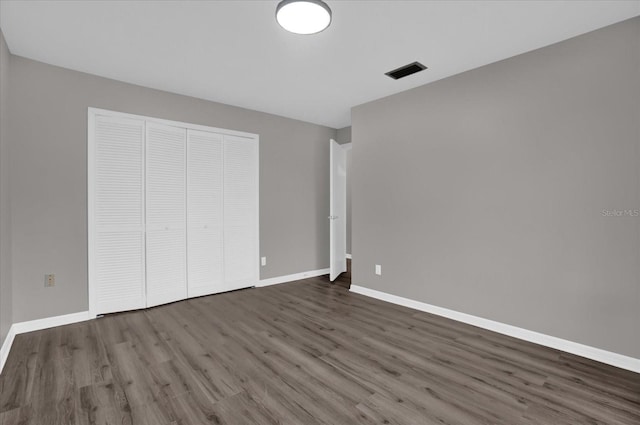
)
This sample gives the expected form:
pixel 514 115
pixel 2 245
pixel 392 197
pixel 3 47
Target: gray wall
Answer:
pixel 48 137
pixel 5 209
pixel 343 136
pixel 483 193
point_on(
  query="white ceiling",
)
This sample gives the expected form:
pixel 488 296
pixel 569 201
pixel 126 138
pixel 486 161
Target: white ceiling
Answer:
pixel 234 52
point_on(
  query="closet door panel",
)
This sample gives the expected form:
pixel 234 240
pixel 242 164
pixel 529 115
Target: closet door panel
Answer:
pixel 204 213
pixel 117 266
pixel 119 271
pixel 240 212
pixel 205 264
pixel 165 266
pixel 240 257
pixel 165 214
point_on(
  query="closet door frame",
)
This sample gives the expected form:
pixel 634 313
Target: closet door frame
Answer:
pixel 91 196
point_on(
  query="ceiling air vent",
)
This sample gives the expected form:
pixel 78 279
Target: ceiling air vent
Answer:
pixel 406 70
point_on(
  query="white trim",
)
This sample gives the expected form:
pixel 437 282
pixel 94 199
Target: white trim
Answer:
pixel 593 353
pixel 291 277
pixel 37 325
pixel 258 260
pixel 349 256
pixel 50 322
pixel 91 293
pixel 6 347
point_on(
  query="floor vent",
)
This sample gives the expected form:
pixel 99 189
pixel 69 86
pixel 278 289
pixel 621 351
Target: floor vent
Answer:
pixel 406 70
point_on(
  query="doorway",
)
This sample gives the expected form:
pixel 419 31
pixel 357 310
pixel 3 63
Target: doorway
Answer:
pixel 339 213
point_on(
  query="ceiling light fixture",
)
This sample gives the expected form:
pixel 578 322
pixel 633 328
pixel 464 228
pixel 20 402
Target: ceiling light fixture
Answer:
pixel 303 16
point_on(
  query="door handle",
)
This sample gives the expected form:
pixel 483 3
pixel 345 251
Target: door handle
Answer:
pixel 333 217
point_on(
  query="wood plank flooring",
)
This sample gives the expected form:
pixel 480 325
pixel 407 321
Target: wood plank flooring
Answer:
pixel 344 279
pixel 305 352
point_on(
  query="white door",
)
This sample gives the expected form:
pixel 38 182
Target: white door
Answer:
pixel 204 213
pixel 166 213
pixel 338 211
pixel 240 212
pixel 116 214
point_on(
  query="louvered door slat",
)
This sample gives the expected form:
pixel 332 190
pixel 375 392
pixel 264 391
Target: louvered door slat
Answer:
pixel 240 212
pixel 165 214
pixel 204 213
pixel 118 218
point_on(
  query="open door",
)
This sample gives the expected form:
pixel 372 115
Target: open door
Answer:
pixel 338 210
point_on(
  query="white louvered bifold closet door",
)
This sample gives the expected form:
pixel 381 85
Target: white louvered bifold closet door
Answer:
pixel 118 263
pixel 165 213
pixel 204 213
pixel 240 212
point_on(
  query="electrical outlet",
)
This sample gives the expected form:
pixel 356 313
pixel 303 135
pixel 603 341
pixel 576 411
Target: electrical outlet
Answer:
pixel 263 261
pixel 49 280
pixel 378 269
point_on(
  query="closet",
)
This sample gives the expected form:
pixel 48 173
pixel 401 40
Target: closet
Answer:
pixel 172 211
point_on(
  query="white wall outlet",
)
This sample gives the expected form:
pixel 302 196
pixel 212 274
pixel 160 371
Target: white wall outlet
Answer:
pixel 49 280
pixel 263 261
pixel 378 269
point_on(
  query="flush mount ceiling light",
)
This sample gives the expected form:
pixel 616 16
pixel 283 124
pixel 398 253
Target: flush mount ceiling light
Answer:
pixel 303 16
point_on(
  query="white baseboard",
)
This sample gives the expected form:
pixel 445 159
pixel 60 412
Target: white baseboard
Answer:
pixel 6 347
pixel 608 357
pixel 36 325
pixel 349 256
pixel 291 277
pixel 50 322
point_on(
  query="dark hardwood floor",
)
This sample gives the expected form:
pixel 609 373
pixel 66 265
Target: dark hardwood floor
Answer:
pixel 305 352
pixel 344 279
